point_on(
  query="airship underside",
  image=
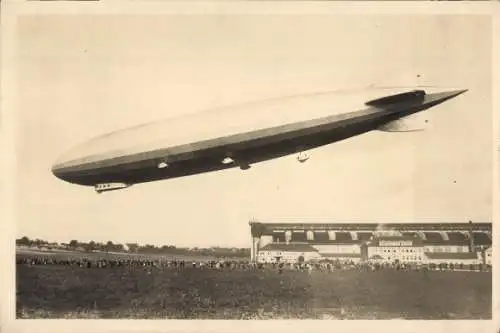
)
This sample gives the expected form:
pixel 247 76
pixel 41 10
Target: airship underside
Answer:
pixel 239 136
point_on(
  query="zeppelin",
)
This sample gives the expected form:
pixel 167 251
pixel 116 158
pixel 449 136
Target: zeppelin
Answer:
pixel 242 135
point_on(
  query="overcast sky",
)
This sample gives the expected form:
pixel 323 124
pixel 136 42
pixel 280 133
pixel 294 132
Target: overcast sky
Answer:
pixel 82 76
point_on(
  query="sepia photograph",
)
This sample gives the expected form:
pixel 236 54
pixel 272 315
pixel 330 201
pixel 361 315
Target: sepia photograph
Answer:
pixel 254 167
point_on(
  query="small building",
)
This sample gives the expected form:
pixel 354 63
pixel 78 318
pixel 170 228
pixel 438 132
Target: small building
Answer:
pixel 287 253
pixel 465 258
pixel 488 256
pixel 340 250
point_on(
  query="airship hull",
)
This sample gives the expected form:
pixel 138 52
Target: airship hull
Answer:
pixel 164 157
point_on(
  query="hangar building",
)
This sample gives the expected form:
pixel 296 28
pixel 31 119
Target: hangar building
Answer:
pixel 391 242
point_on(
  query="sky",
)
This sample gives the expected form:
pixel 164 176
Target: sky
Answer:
pixel 82 76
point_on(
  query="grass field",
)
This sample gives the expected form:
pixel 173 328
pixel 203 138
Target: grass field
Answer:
pixel 53 291
pixel 69 255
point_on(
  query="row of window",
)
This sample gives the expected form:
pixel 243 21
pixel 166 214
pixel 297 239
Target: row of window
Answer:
pixel 405 258
pixel 440 249
pixel 278 254
pixel 394 250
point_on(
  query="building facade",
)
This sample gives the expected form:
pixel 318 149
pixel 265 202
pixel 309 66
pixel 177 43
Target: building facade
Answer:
pixel 394 249
pixel 287 253
pixel 353 242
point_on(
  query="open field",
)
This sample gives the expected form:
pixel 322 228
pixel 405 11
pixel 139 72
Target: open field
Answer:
pixel 53 291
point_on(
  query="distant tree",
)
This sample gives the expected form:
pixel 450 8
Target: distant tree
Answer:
pixel 38 242
pixel 148 248
pixel 165 249
pixel 206 252
pixel 109 246
pixel 23 241
pixel 90 246
pixel 98 246
pixel 73 244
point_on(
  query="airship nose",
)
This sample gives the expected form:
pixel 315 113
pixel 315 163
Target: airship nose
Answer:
pixel 65 167
pixel 60 171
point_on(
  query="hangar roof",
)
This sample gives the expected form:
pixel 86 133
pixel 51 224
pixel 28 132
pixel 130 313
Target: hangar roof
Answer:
pixel 266 227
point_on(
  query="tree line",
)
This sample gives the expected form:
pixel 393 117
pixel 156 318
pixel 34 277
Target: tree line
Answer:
pixel 109 246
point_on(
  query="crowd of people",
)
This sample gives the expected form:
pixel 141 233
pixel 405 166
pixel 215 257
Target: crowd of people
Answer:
pixel 231 264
